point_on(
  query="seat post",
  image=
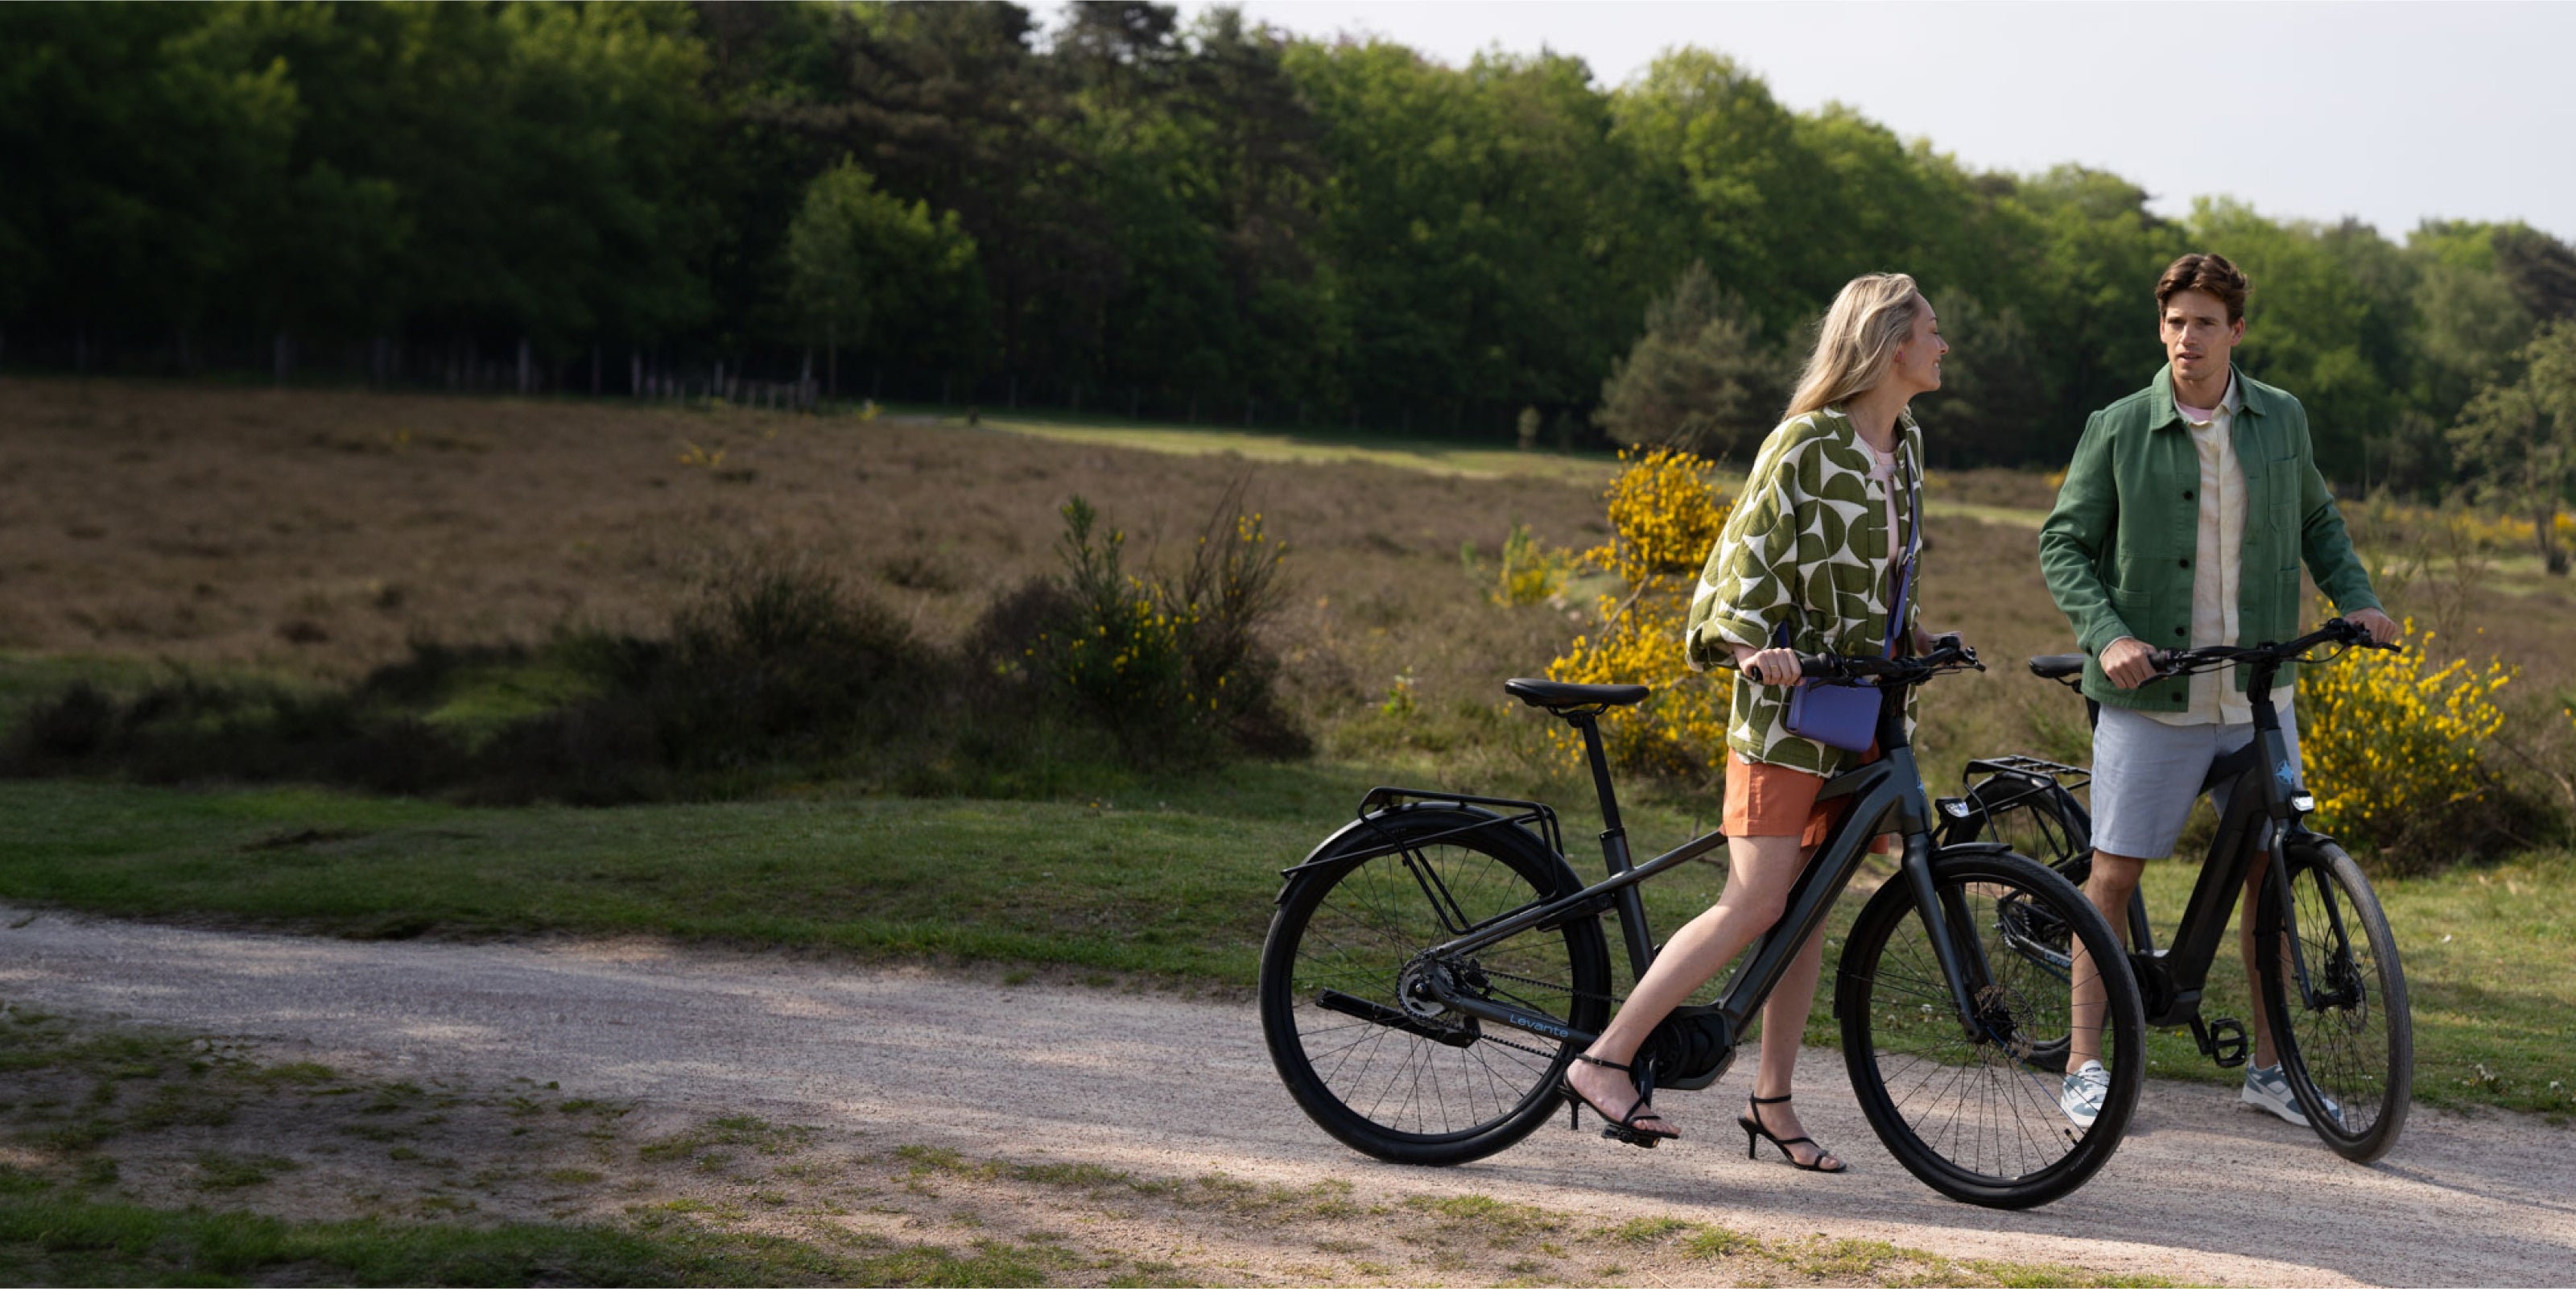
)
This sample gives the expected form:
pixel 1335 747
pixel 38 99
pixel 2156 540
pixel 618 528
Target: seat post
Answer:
pixel 1588 723
pixel 1631 906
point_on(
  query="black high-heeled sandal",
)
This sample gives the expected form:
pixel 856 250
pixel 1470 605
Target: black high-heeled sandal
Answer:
pixel 1755 1134
pixel 1621 1128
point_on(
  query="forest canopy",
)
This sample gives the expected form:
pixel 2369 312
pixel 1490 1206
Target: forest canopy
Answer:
pixel 1208 220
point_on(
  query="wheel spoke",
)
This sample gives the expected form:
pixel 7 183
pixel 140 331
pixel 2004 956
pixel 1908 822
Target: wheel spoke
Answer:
pixel 1977 1116
pixel 1359 930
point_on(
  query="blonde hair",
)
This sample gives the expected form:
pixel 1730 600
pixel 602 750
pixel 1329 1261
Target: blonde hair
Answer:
pixel 1857 340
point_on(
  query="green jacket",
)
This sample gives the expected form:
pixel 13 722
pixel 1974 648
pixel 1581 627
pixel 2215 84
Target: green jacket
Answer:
pixel 2117 549
pixel 1805 548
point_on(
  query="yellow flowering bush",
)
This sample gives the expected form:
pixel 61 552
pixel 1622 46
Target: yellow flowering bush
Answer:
pixel 1530 573
pixel 1165 662
pixel 2476 530
pixel 2392 744
pixel 1664 517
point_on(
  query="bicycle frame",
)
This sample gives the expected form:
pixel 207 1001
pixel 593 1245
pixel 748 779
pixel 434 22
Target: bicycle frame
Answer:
pixel 1887 790
pixel 2262 812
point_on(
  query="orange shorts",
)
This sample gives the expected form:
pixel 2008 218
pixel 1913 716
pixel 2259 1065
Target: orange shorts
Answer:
pixel 1776 801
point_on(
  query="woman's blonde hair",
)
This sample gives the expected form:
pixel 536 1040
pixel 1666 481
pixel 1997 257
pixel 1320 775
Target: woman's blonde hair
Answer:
pixel 1857 340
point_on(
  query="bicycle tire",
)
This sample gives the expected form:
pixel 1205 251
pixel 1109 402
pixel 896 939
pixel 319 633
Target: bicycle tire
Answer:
pixel 2349 1057
pixel 1354 927
pixel 1977 1118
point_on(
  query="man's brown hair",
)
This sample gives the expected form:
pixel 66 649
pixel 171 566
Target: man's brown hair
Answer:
pixel 2207 273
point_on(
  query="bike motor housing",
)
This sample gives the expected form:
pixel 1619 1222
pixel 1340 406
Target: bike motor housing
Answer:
pixel 1690 1050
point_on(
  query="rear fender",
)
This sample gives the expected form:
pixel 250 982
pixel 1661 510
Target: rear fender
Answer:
pixel 1384 832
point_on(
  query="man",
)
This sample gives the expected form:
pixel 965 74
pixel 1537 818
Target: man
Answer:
pixel 2185 515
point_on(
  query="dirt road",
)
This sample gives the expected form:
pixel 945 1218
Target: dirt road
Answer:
pixel 1156 1084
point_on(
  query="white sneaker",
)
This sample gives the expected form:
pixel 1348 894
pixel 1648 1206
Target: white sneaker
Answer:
pixel 2265 1089
pixel 2083 1093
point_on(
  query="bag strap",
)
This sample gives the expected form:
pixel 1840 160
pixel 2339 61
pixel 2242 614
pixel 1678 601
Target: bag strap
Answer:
pixel 1913 543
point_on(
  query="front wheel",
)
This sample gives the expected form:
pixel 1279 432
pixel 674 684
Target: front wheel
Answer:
pixel 2337 1000
pixel 1977 1115
pixel 1369 1053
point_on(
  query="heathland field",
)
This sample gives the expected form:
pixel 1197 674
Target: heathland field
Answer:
pixel 300 539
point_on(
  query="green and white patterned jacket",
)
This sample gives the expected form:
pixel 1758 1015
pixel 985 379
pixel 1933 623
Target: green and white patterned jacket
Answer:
pixel 1805 546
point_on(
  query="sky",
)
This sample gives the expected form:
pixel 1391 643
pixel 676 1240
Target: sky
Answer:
pixel 2393 113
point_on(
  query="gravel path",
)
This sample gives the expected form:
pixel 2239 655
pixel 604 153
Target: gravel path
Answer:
pixel 1157 1084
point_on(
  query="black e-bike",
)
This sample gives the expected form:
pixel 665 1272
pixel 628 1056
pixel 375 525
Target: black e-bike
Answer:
pixel 2334 991
pixel 1434 966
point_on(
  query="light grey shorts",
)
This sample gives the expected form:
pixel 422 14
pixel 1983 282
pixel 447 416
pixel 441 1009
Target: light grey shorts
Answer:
pixel 2146 774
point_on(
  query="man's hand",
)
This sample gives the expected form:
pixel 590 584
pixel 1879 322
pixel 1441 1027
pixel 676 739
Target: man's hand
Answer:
pixel 2129 662
pixel 1768 666
pixel 2381 627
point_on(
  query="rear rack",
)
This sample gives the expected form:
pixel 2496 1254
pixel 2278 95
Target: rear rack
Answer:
pixel 1537 813
pixel 1991 786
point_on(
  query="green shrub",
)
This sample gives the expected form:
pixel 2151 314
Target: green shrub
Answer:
pixel 1171 666
pixel 777 674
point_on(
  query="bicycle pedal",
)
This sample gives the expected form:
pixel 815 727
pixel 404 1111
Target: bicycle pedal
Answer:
pixel 2221 1040
pixel 1631 1136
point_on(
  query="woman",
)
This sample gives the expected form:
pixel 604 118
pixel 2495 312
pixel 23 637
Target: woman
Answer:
pixel 1847 434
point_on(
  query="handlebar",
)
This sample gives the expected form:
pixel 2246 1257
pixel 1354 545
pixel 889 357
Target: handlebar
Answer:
pixel 2183 662
pixel 1946 657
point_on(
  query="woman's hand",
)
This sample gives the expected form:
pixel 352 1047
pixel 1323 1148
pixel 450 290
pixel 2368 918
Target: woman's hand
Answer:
pixel 1768 666
pixel 1927 641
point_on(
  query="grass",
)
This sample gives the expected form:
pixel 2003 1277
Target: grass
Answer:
pixel 1463 459
pixel 1178 887
pixel 47 1238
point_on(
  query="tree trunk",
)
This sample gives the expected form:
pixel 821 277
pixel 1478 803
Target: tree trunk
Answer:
pixel 282 358
pixel 524 373
pixel 2544 529
pixel 832 358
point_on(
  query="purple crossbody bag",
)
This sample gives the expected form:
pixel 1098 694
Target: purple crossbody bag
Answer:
pixel 1845 715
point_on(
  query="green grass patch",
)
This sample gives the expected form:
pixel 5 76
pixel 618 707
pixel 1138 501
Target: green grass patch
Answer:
pixel 49 1240
pixel 1177 883
pixel 2485 951
pixel 1313 447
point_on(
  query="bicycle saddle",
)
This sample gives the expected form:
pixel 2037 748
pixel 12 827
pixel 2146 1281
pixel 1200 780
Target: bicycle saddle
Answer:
pixel 1557 695
pixel 2056 666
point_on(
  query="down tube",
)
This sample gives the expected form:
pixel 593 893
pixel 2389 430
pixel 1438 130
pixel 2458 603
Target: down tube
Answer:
pixel 1874 793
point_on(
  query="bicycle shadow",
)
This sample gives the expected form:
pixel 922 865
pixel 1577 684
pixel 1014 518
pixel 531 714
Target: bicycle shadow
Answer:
pixel 2463 1199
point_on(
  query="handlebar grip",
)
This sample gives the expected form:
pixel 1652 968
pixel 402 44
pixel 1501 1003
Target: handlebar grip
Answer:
pixel 1808 665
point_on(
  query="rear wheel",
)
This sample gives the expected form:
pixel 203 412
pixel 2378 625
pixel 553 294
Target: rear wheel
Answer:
pixel 2337 1000
pixel 1363 1046
pixel 1977 1115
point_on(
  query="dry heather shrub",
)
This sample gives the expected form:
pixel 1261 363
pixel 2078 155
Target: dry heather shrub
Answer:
pixel 1664 517
pixel 2392 745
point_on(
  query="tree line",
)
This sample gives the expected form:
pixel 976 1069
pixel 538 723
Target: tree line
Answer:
pixel 1132 214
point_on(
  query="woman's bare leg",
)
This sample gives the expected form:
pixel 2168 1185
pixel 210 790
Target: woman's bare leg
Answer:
pixel 1760 872
pixel 1784 1028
